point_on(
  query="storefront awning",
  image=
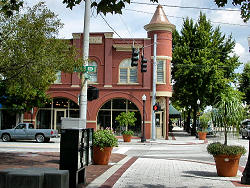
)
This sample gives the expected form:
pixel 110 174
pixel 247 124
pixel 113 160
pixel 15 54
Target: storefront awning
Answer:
pixel 173 113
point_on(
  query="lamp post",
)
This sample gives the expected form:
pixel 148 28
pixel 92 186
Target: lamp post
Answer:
pixel 143 139
pixel 198 104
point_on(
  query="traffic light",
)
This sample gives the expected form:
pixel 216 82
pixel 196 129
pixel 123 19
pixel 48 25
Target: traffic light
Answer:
pixel 92 93
pixel 135 57
pixel 143 64
pixel 156 107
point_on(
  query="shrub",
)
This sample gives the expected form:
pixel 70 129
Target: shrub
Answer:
pixel 217 148
pixel 104 138
pixel 128 132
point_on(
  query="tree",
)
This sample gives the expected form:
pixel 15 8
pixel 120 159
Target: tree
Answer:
pixel 30 56
pixel 116 6
pixel 228 112
pixel 202 65
pixel 245 83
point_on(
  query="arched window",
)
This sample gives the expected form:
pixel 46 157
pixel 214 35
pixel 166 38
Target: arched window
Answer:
pixel 58 77
pixel 127 74
pixel 93 75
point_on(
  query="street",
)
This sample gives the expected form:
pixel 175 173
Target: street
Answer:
pixel 181 148
pixel 30 146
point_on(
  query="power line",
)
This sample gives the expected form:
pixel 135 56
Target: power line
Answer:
pixel 179 17
pixel 186 7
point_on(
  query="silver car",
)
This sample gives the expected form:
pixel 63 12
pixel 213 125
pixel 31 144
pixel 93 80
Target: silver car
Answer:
pixel 245 128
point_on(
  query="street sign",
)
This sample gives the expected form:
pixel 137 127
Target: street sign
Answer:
pixel 90 68
pixel 85 69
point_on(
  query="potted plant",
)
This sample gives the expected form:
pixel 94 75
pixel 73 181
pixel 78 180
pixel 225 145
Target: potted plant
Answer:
pixel 126 119
pixel 103 143
pixel 127 135
pixel 228 113
pixel 202 131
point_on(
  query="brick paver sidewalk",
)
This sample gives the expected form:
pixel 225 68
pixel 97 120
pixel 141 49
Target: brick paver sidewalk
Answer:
pixel 51 159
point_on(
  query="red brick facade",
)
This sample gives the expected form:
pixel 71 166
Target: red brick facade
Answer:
pixel 108 53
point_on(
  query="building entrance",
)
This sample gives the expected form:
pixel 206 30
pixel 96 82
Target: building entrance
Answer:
pixel 159 124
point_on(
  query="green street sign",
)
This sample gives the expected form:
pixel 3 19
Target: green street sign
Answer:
pixel 85 69
pixel 90 68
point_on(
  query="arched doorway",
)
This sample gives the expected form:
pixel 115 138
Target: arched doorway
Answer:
pixel 111 109
pixel 49 117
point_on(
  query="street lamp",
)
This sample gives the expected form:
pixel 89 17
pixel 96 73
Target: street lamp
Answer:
pixel 198 104
pixel 143 139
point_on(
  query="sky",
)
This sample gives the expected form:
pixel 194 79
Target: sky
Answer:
pixel 135 16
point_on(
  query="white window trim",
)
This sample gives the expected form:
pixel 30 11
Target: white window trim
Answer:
pixel 128 76
pixel 164 71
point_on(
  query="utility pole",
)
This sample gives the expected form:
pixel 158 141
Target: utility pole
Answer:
pixel 84 84
pixel 154 87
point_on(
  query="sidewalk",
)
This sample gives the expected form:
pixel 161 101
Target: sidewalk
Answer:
pixel 133 172
pixel 145 170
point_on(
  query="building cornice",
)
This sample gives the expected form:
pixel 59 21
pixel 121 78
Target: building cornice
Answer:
pixel 126 47
pixel 159 27
pixel 163 93
pixel 108 35
pixel 162 57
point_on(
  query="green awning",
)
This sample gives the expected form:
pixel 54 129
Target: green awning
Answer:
pixel 173 113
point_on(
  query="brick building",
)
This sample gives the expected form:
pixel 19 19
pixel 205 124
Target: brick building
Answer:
pixel 120 86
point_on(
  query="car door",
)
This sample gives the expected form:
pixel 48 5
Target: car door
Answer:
pixel 30 132
pixel 20 132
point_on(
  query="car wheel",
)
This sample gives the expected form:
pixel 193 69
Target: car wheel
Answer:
pixel 6 137
pixel 40 138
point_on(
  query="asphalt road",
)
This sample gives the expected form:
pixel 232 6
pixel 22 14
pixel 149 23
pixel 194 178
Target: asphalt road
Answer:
pixel 164 150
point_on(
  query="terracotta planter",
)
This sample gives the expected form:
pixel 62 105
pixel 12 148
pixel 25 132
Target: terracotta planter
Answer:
pixel 101 157
pixel 227 166
pixel 202 135
pixel 126 137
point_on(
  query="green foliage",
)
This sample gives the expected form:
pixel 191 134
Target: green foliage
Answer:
pixel 104 138
pixel 245 83
pixel 126 118
pixel 201 53
pixel 204 120
pixel 244 7
pixel 228 111
pixel 220 149
pixel 103 6
pixel 129 132
pixel 30 54
pixel 116 6
pixel 8 7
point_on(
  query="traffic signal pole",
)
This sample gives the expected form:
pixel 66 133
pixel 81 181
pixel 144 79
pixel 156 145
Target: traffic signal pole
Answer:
pixel 84 84
pixel 154 87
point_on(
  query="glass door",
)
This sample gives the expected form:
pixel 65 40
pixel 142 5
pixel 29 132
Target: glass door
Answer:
pixel 159 124
pixel 59 113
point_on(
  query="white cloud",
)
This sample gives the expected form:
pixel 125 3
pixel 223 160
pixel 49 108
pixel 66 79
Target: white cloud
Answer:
pixel 232 17
pixel 239 49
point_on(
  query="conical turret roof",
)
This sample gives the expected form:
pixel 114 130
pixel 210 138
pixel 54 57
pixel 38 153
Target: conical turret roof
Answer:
pixel 159 16
pixel 159 21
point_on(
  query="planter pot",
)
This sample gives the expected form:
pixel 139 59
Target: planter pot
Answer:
pixel 101 157
pixel 126 138
pixel 202 135
pixel 227 166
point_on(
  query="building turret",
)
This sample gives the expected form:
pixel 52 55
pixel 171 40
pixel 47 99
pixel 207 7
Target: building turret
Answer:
pixel 161 26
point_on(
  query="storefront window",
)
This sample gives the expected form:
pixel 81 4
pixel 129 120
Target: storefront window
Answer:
pixel 49 117
pixel 111 109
